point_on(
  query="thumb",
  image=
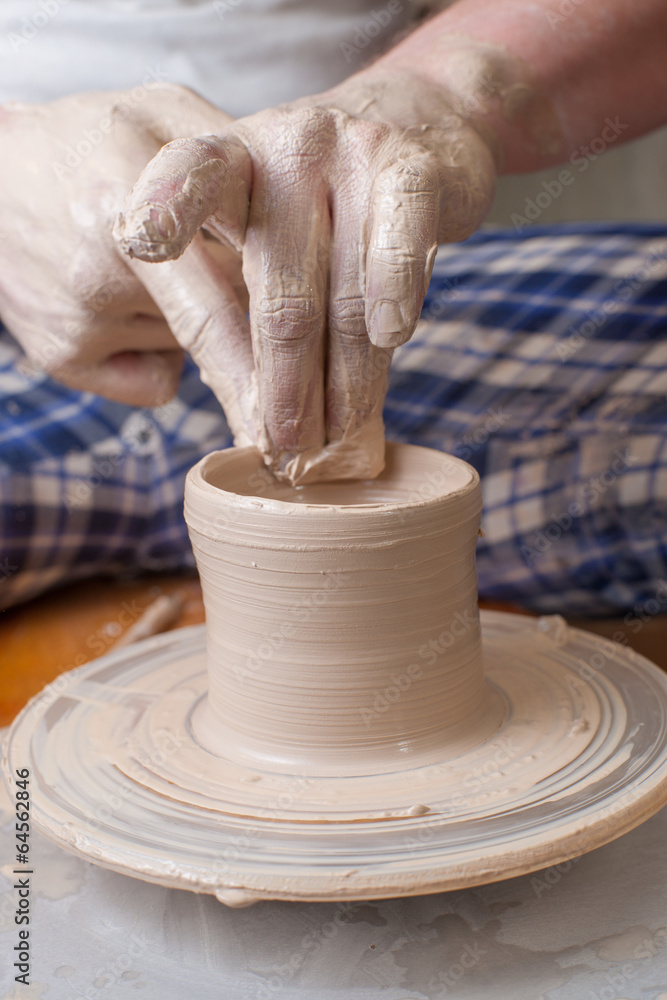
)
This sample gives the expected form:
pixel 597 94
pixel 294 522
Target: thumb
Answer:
pixel 189 183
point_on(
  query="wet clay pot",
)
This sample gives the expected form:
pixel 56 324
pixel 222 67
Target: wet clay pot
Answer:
pixel 342 627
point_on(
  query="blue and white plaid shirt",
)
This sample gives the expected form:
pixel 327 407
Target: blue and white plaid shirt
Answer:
pixel 541 359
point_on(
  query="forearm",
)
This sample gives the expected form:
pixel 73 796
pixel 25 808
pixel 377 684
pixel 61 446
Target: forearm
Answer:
pixel 540 83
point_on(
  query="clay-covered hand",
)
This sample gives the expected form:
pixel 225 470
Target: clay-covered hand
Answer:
pixel 338 203
pixel 77 305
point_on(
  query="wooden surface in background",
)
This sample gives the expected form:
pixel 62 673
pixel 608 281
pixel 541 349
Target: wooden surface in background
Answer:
pixel 70 626
pixel 66 628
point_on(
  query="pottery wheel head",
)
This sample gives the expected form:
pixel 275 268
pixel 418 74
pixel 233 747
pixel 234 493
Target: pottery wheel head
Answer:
pixel 119 776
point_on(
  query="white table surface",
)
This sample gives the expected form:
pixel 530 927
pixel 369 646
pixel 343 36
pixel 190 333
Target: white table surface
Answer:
pixel 594 930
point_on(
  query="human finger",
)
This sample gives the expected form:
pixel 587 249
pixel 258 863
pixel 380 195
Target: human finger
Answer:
pixel 285 268
pixel 357 370
pixel 189 183
pixel 197 299
pixel 402 247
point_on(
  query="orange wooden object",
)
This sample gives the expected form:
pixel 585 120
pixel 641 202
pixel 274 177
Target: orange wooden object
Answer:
pixel 68 627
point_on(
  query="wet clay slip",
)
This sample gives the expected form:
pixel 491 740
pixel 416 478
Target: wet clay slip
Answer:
pixel 343 728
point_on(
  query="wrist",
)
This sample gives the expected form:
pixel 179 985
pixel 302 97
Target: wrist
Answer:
pixel 486 87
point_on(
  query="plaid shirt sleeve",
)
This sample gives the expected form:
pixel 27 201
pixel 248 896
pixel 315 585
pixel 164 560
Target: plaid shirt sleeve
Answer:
pixel 541 359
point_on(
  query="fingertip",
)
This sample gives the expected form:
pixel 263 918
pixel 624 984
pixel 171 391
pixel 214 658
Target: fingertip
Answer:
pixel 150 232
pixel 184 185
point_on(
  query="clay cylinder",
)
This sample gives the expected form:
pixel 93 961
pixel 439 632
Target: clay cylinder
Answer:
pixel 342 625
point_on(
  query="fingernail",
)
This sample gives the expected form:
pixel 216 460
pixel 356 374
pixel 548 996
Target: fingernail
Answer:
pixel 153 224
pixel 147 231
pixel 387 326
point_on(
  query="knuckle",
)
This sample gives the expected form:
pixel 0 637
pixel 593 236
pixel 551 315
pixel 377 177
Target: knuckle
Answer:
pixel 347 315
pixel 308 121
pixel 288 316
pixel 396 258
pixel 416 176
pixel 190 146
pixel 296 134
pixel 366 137
pixel 373 131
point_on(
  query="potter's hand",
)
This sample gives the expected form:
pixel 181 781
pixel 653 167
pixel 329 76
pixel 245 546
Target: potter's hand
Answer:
pixel 66 293
pixel 338 203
